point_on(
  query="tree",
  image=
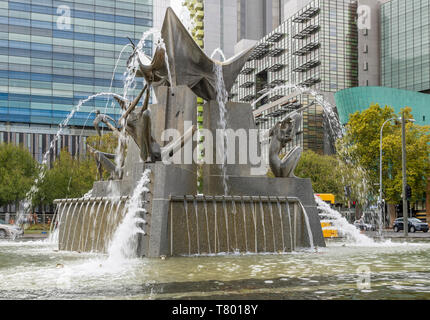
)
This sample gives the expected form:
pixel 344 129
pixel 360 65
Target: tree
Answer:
pixel 68 178
pixel 329 174
pixel 18 171
pixel 361 144
pixel 322 172
pixel 106 143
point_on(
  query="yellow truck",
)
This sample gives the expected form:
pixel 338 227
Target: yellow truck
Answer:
pixel 329 231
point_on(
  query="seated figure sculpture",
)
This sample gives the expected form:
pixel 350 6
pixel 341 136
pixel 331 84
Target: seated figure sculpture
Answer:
pixel 283 132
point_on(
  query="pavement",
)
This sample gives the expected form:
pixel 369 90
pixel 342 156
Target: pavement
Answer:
pixel 390 234
pixel 33 237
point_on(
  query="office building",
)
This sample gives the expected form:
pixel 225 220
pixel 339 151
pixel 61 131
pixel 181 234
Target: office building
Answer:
pixel 315 48
pixel 405 44
pixel 54 54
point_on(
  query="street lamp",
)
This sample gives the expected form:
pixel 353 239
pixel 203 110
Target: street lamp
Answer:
pixel 381 209
pixel 405 199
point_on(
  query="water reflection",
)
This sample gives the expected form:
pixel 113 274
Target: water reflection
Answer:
pixel 34 270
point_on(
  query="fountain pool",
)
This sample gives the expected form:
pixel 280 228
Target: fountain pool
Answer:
pixel 35 270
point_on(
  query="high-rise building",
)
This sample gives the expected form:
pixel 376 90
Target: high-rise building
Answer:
pixel 256 18
pixel 405 44
pixel 54 54
pixel 316 48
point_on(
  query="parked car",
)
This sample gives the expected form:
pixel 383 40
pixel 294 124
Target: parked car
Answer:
pixel 9 231
pixel 414 225
pixel 359 224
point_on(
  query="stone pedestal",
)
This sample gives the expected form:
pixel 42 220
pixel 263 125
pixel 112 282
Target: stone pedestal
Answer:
pixel 240 130
pixel 273 187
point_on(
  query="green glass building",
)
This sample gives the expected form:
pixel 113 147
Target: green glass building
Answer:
pixel 351 100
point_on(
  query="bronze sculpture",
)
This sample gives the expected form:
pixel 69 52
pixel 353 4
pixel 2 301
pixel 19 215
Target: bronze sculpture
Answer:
pixel 283 132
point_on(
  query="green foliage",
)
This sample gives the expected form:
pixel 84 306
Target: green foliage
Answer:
pixel 106 143
pixel 18 170
pixel 322 170
pixel 68 178
pixel 361 144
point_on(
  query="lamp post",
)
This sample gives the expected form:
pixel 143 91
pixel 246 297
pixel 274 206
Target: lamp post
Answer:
pixel 381 202
pixel 405 198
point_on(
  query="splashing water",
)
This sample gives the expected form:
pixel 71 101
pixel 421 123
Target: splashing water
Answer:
pixel 222 97
pixel 344 227
pixel 35 188
pixel 183 14
pixel 124 244
pixel 220 52
pixel 332 117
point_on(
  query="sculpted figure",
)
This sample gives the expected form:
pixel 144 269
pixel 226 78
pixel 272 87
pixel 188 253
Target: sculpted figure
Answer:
pixel 138 126
pixel 103 161
pixel 282 133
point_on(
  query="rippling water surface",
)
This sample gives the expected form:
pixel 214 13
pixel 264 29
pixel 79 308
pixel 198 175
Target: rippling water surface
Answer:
pixel 36 270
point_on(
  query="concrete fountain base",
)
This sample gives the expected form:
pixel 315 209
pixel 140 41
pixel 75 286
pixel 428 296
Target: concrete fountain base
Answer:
pixel 264 215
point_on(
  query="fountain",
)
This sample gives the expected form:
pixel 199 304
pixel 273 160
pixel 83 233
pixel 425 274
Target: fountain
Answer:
pixel 150 207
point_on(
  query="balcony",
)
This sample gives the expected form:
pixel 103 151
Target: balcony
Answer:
pixel 292 105
pixel 260 51
pixel 307 49
pixel 247 70
pixel 275 37
pixel 248 98
pixel 275 52
pixel 309 82
pixel 306 32
pixel 306 15
pixel 247 84
pixel 307 66
pixel 276 97
pixel 276 83
pixel 276 67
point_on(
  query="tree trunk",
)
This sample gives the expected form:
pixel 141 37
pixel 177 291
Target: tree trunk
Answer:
pixel 392 215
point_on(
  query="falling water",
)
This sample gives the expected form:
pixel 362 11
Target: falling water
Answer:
pixel 263 224
pixel 290 226
pixel 207 224
pixel 224 205
pixel 90 216
pixel 188 225
pixel 233 204
pixel 332 117
pixel 216 236
pixel 222 96
pixel 124 244
pixel 278 204
pixel 220 52
pixel 35 187
pixel 196 212
pixel 254 217
pixel 273 226
pixel 344 227
pixel 308 226
pixel 242 204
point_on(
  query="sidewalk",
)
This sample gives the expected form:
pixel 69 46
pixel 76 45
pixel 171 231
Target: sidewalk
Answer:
pixel 31 237
pixel 398 235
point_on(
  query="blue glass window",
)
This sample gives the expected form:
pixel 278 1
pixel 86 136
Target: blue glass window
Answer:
pixel 19 22
pixel 43 9
pixel 19 6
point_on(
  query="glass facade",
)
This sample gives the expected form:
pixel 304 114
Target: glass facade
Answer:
pixel 317 47
pixel 55 53
pixel 405 46
pixel 351 100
